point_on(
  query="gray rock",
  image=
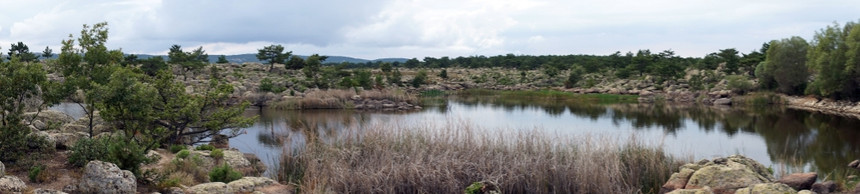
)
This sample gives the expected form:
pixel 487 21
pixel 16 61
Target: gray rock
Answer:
pixel 47 116
pixel 806 192
pixel 723 101
pixel 10 184
pixel 205 188
pixel 39 125
pixel 66 140
pixel 854 164
pixel 824 187
pixel 104 177
pixel 767 188
pixel 2 169
pixel 249 184
pixel 47 191
pixel 722 175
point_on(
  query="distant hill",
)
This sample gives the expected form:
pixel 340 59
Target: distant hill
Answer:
pixel 252 58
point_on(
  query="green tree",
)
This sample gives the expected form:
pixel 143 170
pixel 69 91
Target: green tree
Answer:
pixel 47 53
pixel 222 60
pixel 363 79
pixel 395 77
pixel 130 60
pixel 574 76
pixel 87 66
pixel 295 63
pixel 273 54
pixel 411 63
pixel 833 57
pixel 443 74
pixel 20 83
pixel 730 57
pixel 153 65
pixel 786 63
pixel 189 62
pixel 22 52
pixel 313 67
pixel 385 67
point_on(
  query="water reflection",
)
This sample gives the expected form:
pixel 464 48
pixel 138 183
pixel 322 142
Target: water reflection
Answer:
pixel 779 137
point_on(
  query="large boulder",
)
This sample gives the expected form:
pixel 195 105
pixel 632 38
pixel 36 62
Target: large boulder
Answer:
pixel 236 159
pixel 9 184
pixel 723 102
pixel 205 188
pixel 767 188
pixel 249 184
pixel 799 181
pixel 66 140
pixel 50 116
pixel 722 175
pixel 824 187
pixel 104 177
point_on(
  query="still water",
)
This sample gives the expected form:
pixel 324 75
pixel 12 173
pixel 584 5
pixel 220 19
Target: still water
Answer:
pixel 785 139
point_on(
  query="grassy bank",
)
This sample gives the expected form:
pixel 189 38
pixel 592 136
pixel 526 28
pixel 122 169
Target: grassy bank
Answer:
pixel 447 159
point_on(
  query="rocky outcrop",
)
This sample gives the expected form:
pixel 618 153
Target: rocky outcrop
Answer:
pixel 722 175
pixel 49 116
pixel 47 191
pixel 10 184
pixel 799 181
pixel 767 188
pixel 845 108
pixel 104 177
pixel 824 187
pixel 243 185
pixel 723 102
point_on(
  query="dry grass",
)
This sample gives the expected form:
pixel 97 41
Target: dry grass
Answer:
pixel 447 159
pixel 341 99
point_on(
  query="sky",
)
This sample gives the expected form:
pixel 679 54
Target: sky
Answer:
pixel 372 29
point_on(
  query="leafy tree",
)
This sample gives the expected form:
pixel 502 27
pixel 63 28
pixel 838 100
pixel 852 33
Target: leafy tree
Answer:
pixel 363 79
pixel 395 77
pixel 222 60
pixel 411 63
pixel 22 52
pixel 130 60
pixel 86 67
pixel 295 63
pixel 786 63
pixel 385 67
pixel 752 59
pixel 730 58
pixel 19 84
pixel 642 61
pixel 273 54
pixel 833 57
pixel 153 65
pixel 378 81
pixel 47 53
pixel 443 74
pixel 312 68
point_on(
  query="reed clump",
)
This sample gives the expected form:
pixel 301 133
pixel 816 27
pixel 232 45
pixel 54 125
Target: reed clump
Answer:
pixel 447 159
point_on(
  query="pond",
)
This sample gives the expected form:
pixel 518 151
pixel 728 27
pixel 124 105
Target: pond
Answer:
pixel 786 140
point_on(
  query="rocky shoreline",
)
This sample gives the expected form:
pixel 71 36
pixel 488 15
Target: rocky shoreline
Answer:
pixel 844 108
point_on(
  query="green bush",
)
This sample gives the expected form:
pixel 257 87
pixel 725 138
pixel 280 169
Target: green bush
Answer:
pixel 88 149
pixel 126 154
pixel 443 74
pixel 217 153
pixel 183 154
pixel 17 143
pixel 177 148
pixel 34 173
pixel 205 147
pixel 419 79
pixel 739 84
pixel 224 173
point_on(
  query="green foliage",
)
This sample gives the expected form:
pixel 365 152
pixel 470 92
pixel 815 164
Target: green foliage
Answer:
pixel 35 172
pixel 217 153
pixel 183 154
pixel 739 84
pixel 786 61
pixel 273 54
pixel 22 52
pixel 176 148
pixel 395 77
pixel 623 73
pixel 313 68
pixel 550 71
pixel 205 147
pixel 88 149
pixel 362 78
pixel 419 79
pixel 267 85
pixel 834 57
pixel 378 81
pixel 474 188
pixel 47 53
pixel 224 173
pixel 730 58
pixel 18 82
pixel 443 74
pixel 574 76
pixel 346 82
pixel 385 67
pixel 295 62
pixel 222 60
pixel 188 61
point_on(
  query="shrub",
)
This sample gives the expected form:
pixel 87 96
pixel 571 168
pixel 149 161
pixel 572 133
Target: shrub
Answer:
pixel 88 149
pixel 739 84
pixel 444 74
pixel 217 153
pixel 126 154
pixel 34 173
pixel 205 147
pixel 419 79
pixel 183 154
pixel 16 143
pixel 176 148
pixel 224 173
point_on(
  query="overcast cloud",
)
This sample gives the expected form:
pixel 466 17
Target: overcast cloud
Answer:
pixel 416 28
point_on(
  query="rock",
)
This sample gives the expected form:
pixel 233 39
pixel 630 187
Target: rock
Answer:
pixel 249 184
pixel 205 188
pixel 355 97
pixel 47 191
pixel 70 188
pixel 805 192
pixel 154 155
pixel 766 188
pixel 257 165
pixel 71 128
pixel 47 116
pixel 722 175
pixel 39 125
pixel 67 140
pixel 236 159
pixel 10 184
pixel 706 190
pixel 799 181
pixel 854 164
pixel 723 102
pixel 2 169
pixel 824 187
pixel 104 177
pixel 645 93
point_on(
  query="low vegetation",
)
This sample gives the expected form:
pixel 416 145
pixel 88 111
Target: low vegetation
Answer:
pixel 447 159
